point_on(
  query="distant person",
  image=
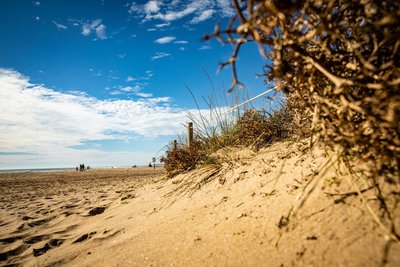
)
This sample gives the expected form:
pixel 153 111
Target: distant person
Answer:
pixel 76 168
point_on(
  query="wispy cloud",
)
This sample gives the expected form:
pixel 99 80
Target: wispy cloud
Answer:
pixel 144 95
pixel 204 15
pixel 130 79
pixel 135 88
pixel 196 10
pixel 115 92
pixel 147 76
pixel 165 40
pixel 225 8
pixel 205 47
pixel 101 32
pixel 152 6
pixel 159 55
pixel 162 25
pixel 95 26
pixel 180 42
pixel 37 118
pixel 60 26
pixel 42 127
pixel 36 3
pixel 96 73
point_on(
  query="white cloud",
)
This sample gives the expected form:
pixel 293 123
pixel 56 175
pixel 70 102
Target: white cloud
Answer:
pixel 96 73
pixel 60 26
pixel 136 88
pixel 165 40
pixel 95 26
pixel 159 55
pixel 198 10
pixel 206 14
pixel 130 79
pixel 152 7
pixel 37 3
pixel 173 15
pixel 144 95
pixel 205 47
pixel 134 8
pixel 38 119
pixel 101 32
pixel 37 18
pixel 180 42
pixel 162 25
pixel 115 92
pixel 225 7
pixel 151 30
pixel 42 127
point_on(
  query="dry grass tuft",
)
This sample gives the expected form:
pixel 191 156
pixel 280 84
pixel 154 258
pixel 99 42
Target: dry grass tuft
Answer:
pixel 183 158
pixel 253 128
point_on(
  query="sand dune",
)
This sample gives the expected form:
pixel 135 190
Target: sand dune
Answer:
pixel 231 215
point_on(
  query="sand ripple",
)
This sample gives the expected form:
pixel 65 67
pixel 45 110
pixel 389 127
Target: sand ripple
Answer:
pixel 43 211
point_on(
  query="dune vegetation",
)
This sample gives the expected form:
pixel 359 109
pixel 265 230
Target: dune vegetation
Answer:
pixel 337 64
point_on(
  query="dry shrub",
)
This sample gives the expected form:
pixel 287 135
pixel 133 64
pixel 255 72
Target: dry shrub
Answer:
pixel 253 128
pixel 258 128
pixel 339 62
pixel 183 158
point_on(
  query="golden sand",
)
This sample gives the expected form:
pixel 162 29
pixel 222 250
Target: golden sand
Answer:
pixel 235 215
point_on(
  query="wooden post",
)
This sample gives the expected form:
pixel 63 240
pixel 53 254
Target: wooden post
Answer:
pixel 175 145
pixel 190 134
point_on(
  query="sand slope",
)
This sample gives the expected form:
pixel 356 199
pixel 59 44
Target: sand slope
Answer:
pixel 232 215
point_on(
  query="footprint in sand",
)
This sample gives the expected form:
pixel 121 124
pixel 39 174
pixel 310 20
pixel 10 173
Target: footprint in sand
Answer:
pixel 96 211
pixel 11 239
pixel 35 239
pixel 128 196
pixel 39 222
pixel 13 252
pixel 84 237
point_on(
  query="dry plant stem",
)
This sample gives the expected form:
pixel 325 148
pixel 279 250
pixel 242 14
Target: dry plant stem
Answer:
pixel 189 187
pixel 239 11
pixel 353 193
pixel 386 251
pixel 303 195
pixel 387 231
pixel 354 45
pixel 232 62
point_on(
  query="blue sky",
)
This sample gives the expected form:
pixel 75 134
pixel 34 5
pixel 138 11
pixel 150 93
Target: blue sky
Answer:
pixel 104 82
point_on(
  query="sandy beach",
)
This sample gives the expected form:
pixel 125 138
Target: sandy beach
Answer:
pixel 40 211
pixel 282 206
